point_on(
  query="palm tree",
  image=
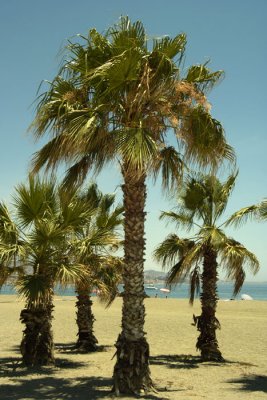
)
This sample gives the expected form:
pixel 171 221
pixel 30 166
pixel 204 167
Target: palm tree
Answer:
pixel 202 203
pixel 35 238
pixel 118 98
pixel 92 249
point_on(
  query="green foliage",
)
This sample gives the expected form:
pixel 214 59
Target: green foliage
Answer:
pixel 49 235
pixel 201 203
pixel 117 96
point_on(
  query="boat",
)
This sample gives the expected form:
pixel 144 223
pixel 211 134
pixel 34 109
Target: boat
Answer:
pixel 151 287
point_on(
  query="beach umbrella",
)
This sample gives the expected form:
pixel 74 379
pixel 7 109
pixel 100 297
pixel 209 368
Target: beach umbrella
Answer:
pixel 246 297
pixel 165 290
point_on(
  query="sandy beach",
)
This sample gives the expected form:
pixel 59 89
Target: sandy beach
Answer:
pixel 175 365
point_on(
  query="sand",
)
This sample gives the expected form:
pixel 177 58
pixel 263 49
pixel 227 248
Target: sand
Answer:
pixel 175 365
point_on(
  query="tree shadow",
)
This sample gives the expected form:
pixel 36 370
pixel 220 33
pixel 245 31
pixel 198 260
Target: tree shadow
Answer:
pixel 71 348
pixel 176 361
pixel 14 367
pixel 188 361
pixel 57 388
pixel 252 383
pixel 80 388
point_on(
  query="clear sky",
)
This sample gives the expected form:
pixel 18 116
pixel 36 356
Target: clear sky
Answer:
pixel 232 34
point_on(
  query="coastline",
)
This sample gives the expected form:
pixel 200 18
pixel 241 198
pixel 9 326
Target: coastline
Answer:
pixel 257 290
pixel 174 361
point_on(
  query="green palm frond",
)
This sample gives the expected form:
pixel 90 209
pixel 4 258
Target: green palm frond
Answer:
pixel 34 288
pixel 107 278
pixel 170 47
pixel 234 258
pixel 171 165
pixel 127 35
pixel 136 146
pixel 189 258
pixel 13 254
pixel 35 200
pixel 47 234
pixel 97 238
pixel 171 249
pixel 213 235
pixel 9 232
pixel 201 76
pixel 242 216
pixel 66 273
pixel 263 209
pixel 182 219
pixel 203 139
pixel 4 274
pixel 194 284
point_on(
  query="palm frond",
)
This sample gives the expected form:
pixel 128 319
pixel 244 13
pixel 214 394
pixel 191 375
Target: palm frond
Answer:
pixel 189 259
pixel 203 139
pixel 171 165
pixel 182 219
pixel 202 77
pixel 263 209
pixel 171 249
pixel 242 216
pixel 194 284
pixel 9 233
pixel 34 288
pixel 34 200
pixel 234 257
pixel 66 273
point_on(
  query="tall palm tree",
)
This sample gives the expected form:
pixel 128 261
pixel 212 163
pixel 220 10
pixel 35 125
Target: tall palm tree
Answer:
pixel 92 248
pixel 35 237
pixel 117 97
pixel 202 203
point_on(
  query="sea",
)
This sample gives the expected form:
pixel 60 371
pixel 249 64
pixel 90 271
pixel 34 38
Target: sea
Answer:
pixel 256 290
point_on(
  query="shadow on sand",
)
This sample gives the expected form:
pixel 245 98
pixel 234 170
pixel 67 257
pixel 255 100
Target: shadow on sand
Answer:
pixel 251 383
pixel 13 367
pixel 52 388
pixel 188 361
pixel 176 361
pixel 57 388
pixel 39 383
pixel 71 348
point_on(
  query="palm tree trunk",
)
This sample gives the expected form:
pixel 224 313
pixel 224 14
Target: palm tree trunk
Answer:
pixel 131 371
pixel 87 341
pixel 207 323
pixel 37 346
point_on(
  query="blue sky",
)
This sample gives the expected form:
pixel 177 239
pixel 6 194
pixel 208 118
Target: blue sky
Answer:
pixel 232 34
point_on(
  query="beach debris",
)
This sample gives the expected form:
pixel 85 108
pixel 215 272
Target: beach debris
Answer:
pixel 246 297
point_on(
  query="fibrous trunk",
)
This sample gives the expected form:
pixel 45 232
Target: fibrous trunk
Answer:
pixel 207 322
pixel 131 371
pixel 87 341
pixel 37 346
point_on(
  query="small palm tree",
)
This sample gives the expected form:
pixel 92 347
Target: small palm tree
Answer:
pixel 92 248
pixel 118 98
pixel 202 203
pixel 36 237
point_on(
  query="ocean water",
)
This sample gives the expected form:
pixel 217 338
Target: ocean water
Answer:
pixel 257 290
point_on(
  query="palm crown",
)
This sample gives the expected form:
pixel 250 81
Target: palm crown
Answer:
pixel 36 236
pixel 116 97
